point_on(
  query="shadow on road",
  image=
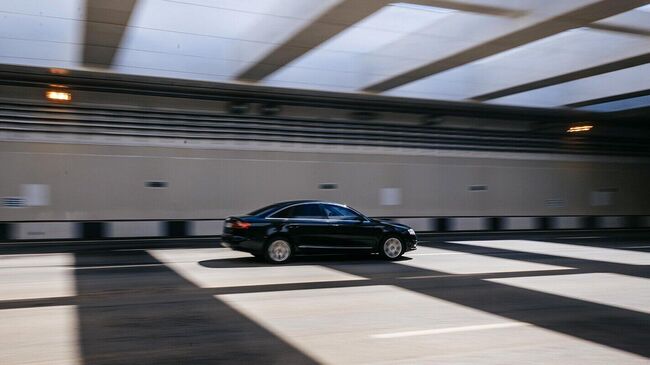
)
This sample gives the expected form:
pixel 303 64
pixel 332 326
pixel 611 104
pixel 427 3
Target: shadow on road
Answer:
pixel 299 260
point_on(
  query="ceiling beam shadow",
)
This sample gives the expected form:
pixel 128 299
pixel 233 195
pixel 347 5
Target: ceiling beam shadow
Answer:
pixel 621 29
pixel 570 76
pixel 336 20
pixel 105 23
pixel 633 22
pixel 543 28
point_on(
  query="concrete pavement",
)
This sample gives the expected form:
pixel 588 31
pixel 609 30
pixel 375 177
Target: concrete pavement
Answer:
pixel 567 298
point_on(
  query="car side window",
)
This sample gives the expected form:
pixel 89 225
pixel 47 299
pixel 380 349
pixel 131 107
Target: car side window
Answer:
pixel 341 213
pixel 300 211
pixel 284 213
pixel 306 211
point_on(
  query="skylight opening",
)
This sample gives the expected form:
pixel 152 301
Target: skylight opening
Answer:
pixel 431 9
pixel 553 41
pixel 645 8
pixel 617 105
pixel 580 29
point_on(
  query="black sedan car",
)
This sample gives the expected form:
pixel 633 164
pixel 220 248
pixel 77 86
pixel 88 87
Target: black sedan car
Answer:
pixel 280 231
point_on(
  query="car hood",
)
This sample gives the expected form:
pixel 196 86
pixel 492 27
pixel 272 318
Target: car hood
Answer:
pixel 392 223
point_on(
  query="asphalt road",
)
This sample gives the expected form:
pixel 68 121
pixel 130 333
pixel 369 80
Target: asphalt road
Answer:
pixel 560 298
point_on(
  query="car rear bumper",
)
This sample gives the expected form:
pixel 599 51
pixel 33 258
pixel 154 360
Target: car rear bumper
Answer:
pixel 241 243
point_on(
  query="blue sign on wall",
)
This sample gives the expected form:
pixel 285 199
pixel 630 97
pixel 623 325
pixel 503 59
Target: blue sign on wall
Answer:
pixel 13 202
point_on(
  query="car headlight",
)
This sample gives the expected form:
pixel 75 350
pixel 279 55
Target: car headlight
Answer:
pixel 411 231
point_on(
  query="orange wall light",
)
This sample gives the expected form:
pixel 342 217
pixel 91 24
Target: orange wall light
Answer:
pixel 580 128
pixel 55 95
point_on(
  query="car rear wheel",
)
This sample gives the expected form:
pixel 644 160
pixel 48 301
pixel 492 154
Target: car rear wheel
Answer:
pixel 278 251
pixel 392 248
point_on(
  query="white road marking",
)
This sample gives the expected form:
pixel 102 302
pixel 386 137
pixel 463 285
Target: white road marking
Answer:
pixel 577 238
pixel 616 290
pixel 439 331
pixel 36 276
pixel 467 263
pixel 42 335
pixel 425 277
pixel 81 242
pixel 567 250
pixel 436 254
pixel 335 326
pixel 36 260
pixel 223 267
pixel 117 266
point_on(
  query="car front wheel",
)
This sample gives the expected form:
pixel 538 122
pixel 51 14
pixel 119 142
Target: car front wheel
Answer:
pixel 392 248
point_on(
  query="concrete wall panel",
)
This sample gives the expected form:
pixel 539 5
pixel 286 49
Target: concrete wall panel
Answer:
pixel 45 230
pixel 135 229
pixel 514 223
pixel 469 224
pixel 418 224
pixel 611 222
pixel 102 182
pixel 206 228
pixel 567 223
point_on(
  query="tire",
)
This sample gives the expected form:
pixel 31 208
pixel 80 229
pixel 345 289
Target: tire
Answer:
pixel 278 251
pixel 392 248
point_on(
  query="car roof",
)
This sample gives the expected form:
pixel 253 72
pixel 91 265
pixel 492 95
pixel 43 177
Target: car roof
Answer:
pixel 289 202
pixel 283 204
pixel 293 202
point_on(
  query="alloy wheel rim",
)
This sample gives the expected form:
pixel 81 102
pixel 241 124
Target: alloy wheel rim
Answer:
pixel 279 250
pixel 392 247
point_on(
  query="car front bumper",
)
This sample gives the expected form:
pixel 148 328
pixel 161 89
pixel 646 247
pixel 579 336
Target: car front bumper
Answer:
pixel 412 244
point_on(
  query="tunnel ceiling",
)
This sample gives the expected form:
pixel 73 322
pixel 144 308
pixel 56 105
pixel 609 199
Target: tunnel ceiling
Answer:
pixel 580 54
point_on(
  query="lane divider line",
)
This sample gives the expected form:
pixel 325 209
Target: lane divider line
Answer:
pixel 577 238
pixel 116 266
pixel 428 276
pixel 437 253
pixel 439 331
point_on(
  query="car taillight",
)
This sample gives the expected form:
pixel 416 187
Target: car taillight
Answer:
pixel 240 225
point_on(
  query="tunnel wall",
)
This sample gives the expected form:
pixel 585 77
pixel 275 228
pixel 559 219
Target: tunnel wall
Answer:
pixel 68 185
pixel 102 182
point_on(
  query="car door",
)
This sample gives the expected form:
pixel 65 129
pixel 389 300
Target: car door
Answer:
pixel 307 226
pixel 352 231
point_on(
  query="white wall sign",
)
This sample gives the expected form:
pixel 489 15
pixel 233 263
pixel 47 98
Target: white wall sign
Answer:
pixel 554 203
pixel 36 195
pixel 390 196
pixel 601 198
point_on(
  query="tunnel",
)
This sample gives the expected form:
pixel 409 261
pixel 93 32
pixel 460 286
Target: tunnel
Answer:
pixel 324 181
